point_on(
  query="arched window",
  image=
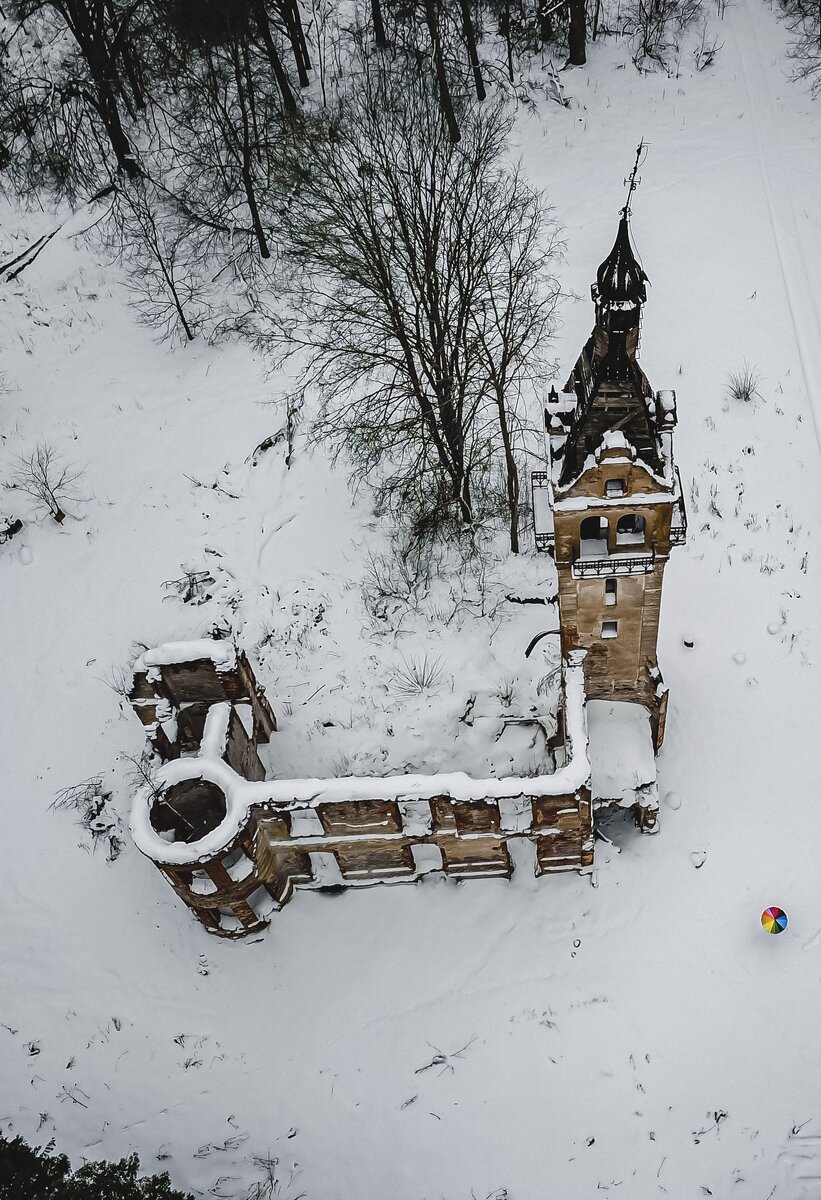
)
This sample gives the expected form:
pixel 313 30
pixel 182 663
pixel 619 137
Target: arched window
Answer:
pixel 630 530
pixel 593 533
pixel 593 529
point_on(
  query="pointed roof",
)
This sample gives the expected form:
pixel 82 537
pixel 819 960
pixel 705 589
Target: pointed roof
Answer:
pixel 614 402
pixel 620 278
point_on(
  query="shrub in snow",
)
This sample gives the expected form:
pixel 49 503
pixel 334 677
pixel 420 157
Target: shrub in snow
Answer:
pixel 27 1173
pixel 91 801
pixel 416 675
pixel 705 53
pixel 8 527
pixel 655 28
pixel 50 483
pixel 743 384
pixel 804 22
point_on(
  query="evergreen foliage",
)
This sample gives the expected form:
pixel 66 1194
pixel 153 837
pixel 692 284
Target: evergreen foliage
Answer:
pixel 31 1173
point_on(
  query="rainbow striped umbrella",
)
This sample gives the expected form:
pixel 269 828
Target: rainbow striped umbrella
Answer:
pixel 774 920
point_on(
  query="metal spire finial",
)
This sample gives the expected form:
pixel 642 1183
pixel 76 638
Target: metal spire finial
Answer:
pixel 633 179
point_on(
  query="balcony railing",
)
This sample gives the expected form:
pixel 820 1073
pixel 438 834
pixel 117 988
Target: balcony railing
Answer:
pixel 614 564
pixel 543 531
pixel 678 526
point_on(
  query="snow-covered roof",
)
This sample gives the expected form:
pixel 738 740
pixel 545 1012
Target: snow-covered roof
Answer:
pixel 622 757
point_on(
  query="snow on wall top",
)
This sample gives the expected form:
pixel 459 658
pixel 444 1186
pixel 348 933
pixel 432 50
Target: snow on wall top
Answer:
pixel 222 654
pixel 215 731
pixel 614 439
pixel 665 480
pixel 288 794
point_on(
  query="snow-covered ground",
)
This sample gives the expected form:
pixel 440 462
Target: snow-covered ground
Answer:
pixel 632 1031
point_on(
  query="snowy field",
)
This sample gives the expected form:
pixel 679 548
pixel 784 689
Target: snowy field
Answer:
pixel 632 1031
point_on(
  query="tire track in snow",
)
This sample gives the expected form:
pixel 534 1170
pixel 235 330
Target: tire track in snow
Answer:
pixel 797 285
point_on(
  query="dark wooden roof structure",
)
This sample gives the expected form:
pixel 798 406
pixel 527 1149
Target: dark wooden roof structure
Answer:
pixel 612 392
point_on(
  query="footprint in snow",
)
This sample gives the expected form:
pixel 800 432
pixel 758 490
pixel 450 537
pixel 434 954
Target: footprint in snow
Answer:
pixel 25 555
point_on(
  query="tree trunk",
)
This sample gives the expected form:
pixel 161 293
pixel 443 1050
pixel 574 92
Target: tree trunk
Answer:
pixel 91 40
pixel 247 174
pixel 172 287
pixel 545 21
pixel 293 21
pixel 303 45
pixel 506 23
pixel 264 27
pixel 286 8
pixel 596 15
pixel 511 473
pixel 378 25
pixel 110 116
pixel 577 40
pixel 120 49
pixel 470 39
pixel 445 98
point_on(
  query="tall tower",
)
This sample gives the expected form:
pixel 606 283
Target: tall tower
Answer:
pixel 614 495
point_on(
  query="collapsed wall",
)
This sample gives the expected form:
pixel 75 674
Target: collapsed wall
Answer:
pixel 233 844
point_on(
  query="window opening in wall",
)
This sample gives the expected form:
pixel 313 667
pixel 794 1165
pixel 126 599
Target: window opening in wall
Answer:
pixel 238 865
pixel 630 530
pixel 609 629
pixel 325 867
pixel 615 487
pixel 593 537
pixel 610 591
pixel 202 883
pixel 261 903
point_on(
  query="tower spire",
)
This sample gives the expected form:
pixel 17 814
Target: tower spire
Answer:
pixel 633 179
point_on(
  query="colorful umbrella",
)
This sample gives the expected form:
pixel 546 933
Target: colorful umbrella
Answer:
pixel 774 920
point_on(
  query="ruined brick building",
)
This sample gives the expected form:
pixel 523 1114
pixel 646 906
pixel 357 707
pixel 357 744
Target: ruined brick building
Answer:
pixel 608 508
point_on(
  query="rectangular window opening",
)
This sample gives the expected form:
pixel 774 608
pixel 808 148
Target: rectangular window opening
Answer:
pixel 610 591
pixel 609 629
pixel 615 487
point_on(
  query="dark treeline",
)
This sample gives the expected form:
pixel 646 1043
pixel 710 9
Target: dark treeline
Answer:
pixel 92 89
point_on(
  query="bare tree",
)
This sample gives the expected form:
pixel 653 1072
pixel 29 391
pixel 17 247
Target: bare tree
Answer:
pixel 48 481
pixel 655 28
pixel 149 235
pixel 803 18
pixel 421 297
pixel 514 321
pixel 222 125
pixel 95 76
